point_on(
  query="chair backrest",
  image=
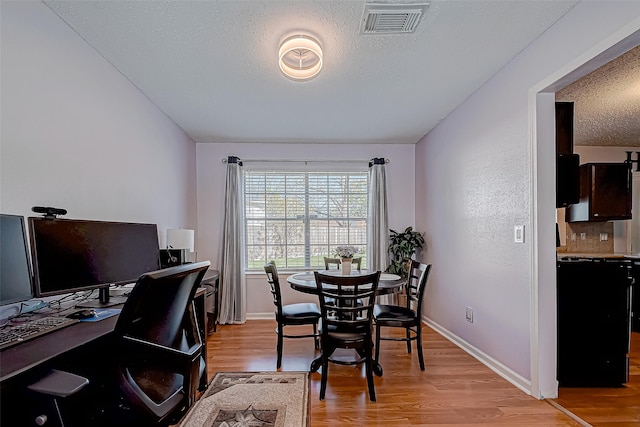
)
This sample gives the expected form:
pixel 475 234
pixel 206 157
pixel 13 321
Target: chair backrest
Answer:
pixel 158 363
pixel 346 302
pixel 274 283
pixel 416 284
pixel 159 309
pixel 328 262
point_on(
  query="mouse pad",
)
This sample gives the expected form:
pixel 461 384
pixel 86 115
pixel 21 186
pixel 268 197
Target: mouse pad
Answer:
pixel 102 313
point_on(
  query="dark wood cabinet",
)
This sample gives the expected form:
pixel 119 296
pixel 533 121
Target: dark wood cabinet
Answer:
pixel 564 127
pixel 567 163
pixel 605 193
pixel 594 311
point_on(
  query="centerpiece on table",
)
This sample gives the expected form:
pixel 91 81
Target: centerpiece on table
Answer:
pixel 346 253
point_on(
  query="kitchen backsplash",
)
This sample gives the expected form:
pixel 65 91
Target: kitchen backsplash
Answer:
pixel 590 237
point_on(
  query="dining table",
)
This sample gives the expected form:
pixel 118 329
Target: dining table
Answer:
pixel 306 282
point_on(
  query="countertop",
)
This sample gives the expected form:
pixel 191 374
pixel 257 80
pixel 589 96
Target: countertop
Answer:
pixel 624 255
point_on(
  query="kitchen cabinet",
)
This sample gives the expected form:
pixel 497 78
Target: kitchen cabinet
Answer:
pixel 567 163
pixel 605 193
pixel 594 314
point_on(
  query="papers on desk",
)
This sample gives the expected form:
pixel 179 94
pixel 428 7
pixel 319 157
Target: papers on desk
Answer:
pixel 101 314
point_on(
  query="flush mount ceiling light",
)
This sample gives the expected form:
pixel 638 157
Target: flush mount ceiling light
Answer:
pixel 300 57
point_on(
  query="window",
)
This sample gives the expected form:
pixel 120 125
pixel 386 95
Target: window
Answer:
pixel 298 218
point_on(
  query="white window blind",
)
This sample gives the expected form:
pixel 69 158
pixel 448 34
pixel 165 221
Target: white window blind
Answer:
pixel 296 218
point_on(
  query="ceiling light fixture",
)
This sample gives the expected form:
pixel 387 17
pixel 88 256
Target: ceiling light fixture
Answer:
pixel 300 57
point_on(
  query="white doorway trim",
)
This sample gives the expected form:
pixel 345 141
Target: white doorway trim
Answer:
pixel 542 151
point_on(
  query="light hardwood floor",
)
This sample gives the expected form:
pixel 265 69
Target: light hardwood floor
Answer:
pixel 455 389
pixel 602 407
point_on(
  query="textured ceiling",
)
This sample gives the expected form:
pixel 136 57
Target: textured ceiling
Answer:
pixel 607 103
pixel 212 66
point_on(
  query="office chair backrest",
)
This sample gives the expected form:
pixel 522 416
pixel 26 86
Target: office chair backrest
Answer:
pixel 417 283
pixel 159 303
pixel 274 283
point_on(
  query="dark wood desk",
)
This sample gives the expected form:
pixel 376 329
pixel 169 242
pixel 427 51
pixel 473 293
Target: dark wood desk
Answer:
pixel 37 352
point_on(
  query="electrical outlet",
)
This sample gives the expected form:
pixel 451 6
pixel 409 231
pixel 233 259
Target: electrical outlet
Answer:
pixel 604 237
pixel 583 236
pixel 469 314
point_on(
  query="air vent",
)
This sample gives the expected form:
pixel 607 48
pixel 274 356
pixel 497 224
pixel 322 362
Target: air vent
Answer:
pixel 391 18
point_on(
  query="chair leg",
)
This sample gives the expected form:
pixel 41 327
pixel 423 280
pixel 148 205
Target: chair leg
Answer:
pixel 325 372
pixel 408 335
pixel 280 339
pixel 419 345
pixel 316 339
pixel 369 371
pixel 377 343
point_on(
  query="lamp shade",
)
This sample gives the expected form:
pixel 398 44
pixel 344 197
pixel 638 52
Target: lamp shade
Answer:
pixel 300 57
pixel 180 239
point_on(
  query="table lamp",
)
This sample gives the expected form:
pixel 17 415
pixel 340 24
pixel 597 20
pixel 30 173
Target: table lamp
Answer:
pixel 182 240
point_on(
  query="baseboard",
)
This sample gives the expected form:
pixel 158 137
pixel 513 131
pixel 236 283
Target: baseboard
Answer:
pixel 500 369
pixel 261 316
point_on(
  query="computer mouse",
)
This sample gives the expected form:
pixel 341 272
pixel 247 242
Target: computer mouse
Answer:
pixel 83 314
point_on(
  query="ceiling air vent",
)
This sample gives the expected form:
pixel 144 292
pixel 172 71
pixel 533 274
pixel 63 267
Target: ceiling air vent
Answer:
pixel 391 18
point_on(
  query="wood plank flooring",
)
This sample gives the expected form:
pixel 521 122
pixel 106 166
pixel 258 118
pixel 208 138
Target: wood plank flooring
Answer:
pixel 603 407
pixel 455 389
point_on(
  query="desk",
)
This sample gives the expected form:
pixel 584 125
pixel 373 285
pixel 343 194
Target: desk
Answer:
pixel 38 351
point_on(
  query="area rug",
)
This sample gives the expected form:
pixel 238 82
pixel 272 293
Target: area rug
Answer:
pixel 278 399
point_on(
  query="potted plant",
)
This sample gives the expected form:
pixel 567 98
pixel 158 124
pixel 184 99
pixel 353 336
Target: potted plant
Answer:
pixel 402 246
pixel 346 253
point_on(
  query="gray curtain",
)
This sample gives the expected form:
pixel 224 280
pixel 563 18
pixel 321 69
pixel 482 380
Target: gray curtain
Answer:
pixel 233 287
pixel 378 224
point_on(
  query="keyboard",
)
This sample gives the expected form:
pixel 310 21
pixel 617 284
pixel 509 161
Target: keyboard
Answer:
pixel 21 332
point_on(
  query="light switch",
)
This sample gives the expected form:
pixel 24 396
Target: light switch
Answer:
pixel 518 233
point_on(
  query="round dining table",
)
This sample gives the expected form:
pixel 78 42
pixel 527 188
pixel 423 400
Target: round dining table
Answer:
pixel 306 281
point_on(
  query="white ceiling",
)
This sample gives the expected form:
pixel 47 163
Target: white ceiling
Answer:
pixel 607 103
pixel 212 65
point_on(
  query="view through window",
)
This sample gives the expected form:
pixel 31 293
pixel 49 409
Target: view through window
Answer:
pixel 298 218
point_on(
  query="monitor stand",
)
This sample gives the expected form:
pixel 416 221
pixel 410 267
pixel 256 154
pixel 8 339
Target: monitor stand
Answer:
pixel 104 300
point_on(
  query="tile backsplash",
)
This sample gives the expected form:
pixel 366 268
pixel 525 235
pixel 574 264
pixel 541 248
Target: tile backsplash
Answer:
pixel 590 237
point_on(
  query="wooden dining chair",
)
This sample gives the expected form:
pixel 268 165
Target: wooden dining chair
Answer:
pixel 403 316
pixel 290 314
pixel 345 323
pixel 330 262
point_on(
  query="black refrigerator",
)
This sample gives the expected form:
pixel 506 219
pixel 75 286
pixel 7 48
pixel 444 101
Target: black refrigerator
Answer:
pixel 594 321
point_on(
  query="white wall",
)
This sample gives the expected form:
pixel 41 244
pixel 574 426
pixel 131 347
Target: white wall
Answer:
pixel 76 134
pixel 211 186
pixel 475 184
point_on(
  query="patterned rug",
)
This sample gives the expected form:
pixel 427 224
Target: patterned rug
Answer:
pixel 260 399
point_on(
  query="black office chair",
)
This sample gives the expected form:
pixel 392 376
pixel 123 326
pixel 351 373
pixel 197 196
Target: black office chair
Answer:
pixel 156 361
pixel 395 316
pixel 345 323
pixel 290 314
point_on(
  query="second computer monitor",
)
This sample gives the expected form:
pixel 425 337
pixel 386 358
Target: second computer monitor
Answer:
pixel 74 255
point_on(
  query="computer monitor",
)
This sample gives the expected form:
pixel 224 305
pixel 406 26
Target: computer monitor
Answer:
pixel 15 270
pixel 72 255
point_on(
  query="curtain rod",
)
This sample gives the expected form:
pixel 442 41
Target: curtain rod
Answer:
pixel 224 160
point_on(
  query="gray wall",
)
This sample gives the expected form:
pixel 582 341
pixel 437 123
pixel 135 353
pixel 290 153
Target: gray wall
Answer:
pixel 76 134
pixel 484 170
